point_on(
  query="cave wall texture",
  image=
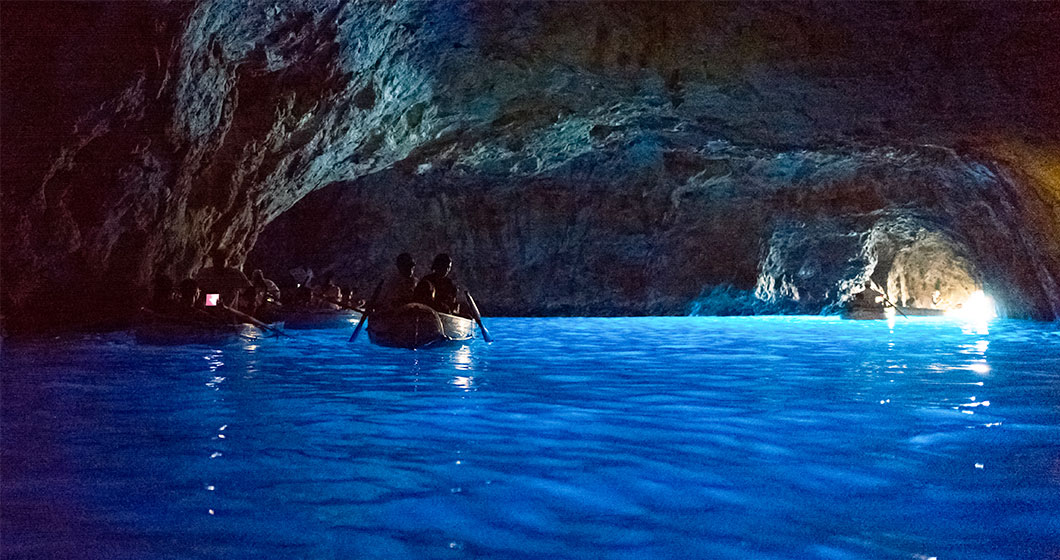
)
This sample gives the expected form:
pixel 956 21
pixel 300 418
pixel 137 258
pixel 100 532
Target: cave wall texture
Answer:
pixel 573 157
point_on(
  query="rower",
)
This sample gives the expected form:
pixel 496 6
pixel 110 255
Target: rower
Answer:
pixel 868 296
pixel 444 288
pixel 265 289
pixel 224 280
pixel 399 288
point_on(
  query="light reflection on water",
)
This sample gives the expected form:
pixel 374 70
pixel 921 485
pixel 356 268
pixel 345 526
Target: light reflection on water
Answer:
pixel 602 438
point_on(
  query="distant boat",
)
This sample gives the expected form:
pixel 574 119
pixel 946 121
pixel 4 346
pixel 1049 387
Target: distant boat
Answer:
pixel 877 312
pixel 320 318
pixel 159 329
pixel 922 312
pixel 417 326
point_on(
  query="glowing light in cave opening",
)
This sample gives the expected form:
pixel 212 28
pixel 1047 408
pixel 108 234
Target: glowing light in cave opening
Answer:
pixel 979 307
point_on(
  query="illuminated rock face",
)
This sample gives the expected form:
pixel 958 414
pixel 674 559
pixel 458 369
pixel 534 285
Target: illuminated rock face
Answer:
pixel 613 158
pixel 737 237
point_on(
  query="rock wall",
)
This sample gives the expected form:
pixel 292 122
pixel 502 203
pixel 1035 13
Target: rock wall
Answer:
pixel 644 156
pixel 751 231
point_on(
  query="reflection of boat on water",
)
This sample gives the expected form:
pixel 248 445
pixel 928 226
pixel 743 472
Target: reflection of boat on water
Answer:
pixel 320 318
pixel 417 326
pixel 863 312
pixel 158 329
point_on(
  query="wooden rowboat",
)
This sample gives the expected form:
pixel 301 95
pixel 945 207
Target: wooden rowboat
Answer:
pixel 159 329
pixel 880 312
pixel 867 313
pixel 320 318
pixel 417 326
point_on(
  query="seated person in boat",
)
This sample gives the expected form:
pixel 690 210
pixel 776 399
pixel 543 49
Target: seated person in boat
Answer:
pixel 187 308
pixel 188 296
pixel 399 287
pixel 222 279
pixel 424 293
pixel 265 289
pixel 266 303
pixel 868 297
pixel 444 288
pixel 351 299
pixel 330 292
pixel 162 296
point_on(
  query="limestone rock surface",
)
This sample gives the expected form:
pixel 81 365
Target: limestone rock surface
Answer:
pixel 604 158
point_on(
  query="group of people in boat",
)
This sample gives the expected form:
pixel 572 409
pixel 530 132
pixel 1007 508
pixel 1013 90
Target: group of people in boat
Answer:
pixel 326 294
pixel 872 296
pixel 217 292
pixel 223 292
pixel 220 291
pixel 435 290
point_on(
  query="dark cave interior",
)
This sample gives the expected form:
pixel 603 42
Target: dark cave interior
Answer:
pixel 735 158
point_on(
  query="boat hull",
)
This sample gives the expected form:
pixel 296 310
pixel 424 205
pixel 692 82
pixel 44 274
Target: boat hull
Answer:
pixel 878 313
pixel 922 312
pixel 159 330
pixel 418 326
pixel 320 319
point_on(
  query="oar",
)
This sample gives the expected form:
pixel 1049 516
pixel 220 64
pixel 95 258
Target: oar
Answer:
pixel 367 311
pixel 884 295
pixel 252 320
pixel 478 317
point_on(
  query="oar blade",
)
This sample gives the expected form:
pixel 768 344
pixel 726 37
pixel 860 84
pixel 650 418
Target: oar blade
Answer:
pixel 477 316
pixel 367 311
pixel 254 321
pixel 357 330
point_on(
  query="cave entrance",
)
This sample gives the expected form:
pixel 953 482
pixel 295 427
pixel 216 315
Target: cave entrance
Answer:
pixel 933 273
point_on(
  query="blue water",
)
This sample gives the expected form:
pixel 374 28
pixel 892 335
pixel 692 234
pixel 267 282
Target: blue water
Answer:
pixel 565 438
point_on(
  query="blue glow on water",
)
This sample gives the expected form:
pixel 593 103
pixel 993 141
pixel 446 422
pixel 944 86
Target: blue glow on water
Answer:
pixel 566 438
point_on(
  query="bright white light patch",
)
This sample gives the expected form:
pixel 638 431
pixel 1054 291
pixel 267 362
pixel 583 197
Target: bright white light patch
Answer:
pixel 978 307
pixel 463 382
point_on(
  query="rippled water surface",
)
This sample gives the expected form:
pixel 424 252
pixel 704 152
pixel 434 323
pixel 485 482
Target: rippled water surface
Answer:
pixel 565 438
